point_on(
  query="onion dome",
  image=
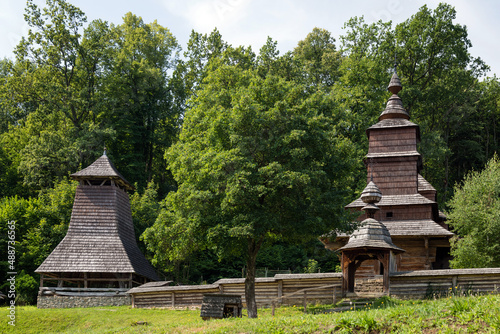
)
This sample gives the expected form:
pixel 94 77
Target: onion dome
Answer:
pixel 394 107
pixel 371 194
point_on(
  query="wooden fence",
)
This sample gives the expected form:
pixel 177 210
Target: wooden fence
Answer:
pixel 438 283
pixel 297 289
pixel 267 291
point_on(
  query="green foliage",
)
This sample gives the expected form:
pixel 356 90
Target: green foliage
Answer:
pixel 475 216
pixel 441 89
pixel 253 154
pixel 312 266
pixel 27 289
pixel 145 209
pixel 319 59
pixel 40 224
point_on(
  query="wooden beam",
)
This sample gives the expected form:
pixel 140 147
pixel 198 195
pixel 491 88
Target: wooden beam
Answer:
pixel 387 280
pixel 427 262
pixel 70 279
pixel 280 289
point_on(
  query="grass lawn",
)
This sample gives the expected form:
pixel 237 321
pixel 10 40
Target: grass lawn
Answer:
pixel 475 314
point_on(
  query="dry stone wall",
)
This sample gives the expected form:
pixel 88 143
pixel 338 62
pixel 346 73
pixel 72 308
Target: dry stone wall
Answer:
pixel 80 301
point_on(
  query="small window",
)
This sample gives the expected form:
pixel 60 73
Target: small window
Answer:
pixel 388 214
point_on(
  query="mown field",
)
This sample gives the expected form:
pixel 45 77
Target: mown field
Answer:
pixel 474 314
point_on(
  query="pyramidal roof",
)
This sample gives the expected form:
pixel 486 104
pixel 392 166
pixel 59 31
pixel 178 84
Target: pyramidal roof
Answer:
pixel 102 169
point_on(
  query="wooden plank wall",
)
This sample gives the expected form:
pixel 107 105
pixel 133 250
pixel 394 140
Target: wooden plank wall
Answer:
pixel 393 140
pixel 395 177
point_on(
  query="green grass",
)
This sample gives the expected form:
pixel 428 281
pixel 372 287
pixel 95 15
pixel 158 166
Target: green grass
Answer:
pixel 473 314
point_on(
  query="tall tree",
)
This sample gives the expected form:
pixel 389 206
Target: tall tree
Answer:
pixel 139 103
pixel 319 59
pixel 258 159
pixel 51 93
pixel 63 75
pixel 475 216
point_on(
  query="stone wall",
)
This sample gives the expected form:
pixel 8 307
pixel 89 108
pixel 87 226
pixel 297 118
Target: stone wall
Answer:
pixel 80 301
pixel 367 285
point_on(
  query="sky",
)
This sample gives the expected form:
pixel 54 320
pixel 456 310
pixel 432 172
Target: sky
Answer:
pixel 250 22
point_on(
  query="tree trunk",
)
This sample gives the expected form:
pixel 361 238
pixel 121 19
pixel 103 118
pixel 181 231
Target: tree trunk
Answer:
pixel 253 249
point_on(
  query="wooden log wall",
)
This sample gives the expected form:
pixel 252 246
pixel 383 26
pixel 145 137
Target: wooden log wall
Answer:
pixel 264 291
pixel 267 291
pixel 320 288
pixel 418 256
pixel 174 297
pixel 440 283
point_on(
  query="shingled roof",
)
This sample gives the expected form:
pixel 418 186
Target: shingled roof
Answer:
pixel 102 169
pixel 100 237
pixel 411 228
pixel 371 234
pixel 391 200
pixel 424 185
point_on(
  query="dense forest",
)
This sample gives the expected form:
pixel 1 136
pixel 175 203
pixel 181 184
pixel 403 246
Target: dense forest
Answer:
pixel 76 87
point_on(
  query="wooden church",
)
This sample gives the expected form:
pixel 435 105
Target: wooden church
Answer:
pixel 408 205
pixel 99 249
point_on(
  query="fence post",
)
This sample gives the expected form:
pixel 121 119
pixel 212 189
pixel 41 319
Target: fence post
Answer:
pixel 334 295
pixel 305 301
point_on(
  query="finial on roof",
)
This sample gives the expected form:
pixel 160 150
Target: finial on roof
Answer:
pixel 395 62
pixel 395 84
pixel 104 150
pixel 371 195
